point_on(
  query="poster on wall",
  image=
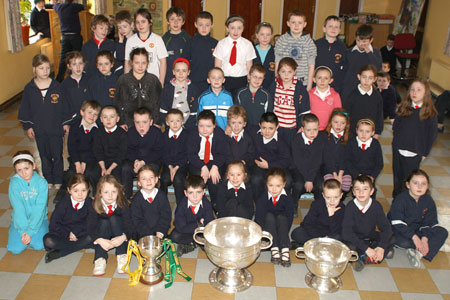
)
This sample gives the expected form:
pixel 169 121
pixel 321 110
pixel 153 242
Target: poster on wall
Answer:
pixel 408 18
pixel 155 7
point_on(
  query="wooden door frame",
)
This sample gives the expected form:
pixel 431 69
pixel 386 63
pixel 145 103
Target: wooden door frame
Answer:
pixel 203 4
pixel 314 21
pixel 262 9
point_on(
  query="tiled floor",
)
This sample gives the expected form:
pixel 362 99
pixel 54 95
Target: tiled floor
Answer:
pixel 26 276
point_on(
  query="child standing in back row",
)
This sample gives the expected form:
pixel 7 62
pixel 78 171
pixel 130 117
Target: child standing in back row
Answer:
pixel 265 52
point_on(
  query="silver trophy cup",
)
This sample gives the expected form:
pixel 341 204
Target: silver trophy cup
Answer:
pixel 326 259
pixel 150 248
pixel 232 244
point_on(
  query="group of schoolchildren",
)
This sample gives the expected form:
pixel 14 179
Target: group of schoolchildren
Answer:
pixel 257 125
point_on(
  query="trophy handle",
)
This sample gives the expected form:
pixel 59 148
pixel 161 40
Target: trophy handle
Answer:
pixel 266 235
pixel 354 256
pixel 300 253
pixel 199 230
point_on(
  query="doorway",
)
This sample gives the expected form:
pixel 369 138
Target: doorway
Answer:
pixel 191 9
pixel 250 10
pixel 308 7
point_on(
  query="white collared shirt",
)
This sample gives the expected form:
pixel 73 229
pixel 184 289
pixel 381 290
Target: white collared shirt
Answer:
pixel 149 195
pixel 306 140
pixel 231 186
pixel 274 137
pixel 86 126
pixel 361 208
pixel 111 130
pixel 201 153
pixel 362 51
pixel 105 206
pixel 283 192
pixel 367 143
pixel 337 133
pixel 389 48
pixel 369 92
pixel 322 95
pixel 80 204
pixel 239 135
pixel 197 207
pixel 244 52
pixel 171 133
pixel 414 105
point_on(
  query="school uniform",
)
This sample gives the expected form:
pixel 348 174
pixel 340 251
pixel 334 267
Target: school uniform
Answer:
pixel 102 88
pixel 388 54
pixel 174 153
pixel 218 155
pixel 413 139
pixel 68 217
pixel 317 223
pixel 364 105
pixel 333 56
pixel 364 158
pixel 111 147
pixel 410 217
pixel 151 213
pixel 359 227
pixel 90 50
pixel 148 148
pixel 235 202
pixel 267 59
pixel 218 104
pixel 323 103
pixel 40 22
pixel 333 160
pixel 183 98
pixel 242 148
pixel 46 115
pixel 175 45
pixel 120 55
pixel 275 216
pixel 29 212
pixel 77 93
pixel 112 222
pixel 307 155
pixel 187 219
pixel 389 102
pixel 199 52
pixel 255 104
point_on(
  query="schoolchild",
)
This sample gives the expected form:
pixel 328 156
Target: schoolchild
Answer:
pixel 193 211
pixel 415 130
pixel 125 28
pixel 44 113
pixel 388 93
pixel 334 152
pixel 235 195
pixel 109 224
pixel 365 227
pixel 98 42
pixel 216 98
pixel 234 54
pixel 102 83
pixel 180 93
pixel 331 52
pixel 290 99
pixel 110 144
pixel 27 194
pixel 151 42
pixel 414 220
pixel 323 98
pixel 144 147
pixel 265 53
pixel 254 98
pixel 175 39
pixel 240 140
pixel 365 101
pixel 208 152
pixel 150 209
pixel 386 68
pixel 324 218
pixel 174 154
pixel 299 46
pixel 274 213
pixel 199 50
pixel 388 53
pixel 137 88
pixel 68 223
pixel 39 19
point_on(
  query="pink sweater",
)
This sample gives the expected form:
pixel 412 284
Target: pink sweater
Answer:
pixel 323 108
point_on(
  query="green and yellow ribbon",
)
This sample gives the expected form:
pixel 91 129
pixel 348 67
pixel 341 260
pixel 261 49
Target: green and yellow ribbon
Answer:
pixel 172 263
pixel 133 277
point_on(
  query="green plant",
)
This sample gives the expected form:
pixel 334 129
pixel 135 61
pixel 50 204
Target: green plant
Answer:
pixel 25 10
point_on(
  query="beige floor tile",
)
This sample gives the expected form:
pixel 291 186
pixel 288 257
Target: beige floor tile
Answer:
pixel 387 169
pixel 435 170
pixel 24 262
pixel 120 290
pixel 86 265
pixel 414 281
pixel 367 295
pixel 3 237
pixel 202 254
pixel 14 149
pixel 305 203
pixel 440 261
pixel 188 265
pixel 263 274
pixel 385 204
pixel 43 286
pixel 446 297
pixel 5 172
pixel 10 140
pixel 387 190
pixel 204 291
pixel 385 141
pixel 348 281
pixel 443 161
pixel 444 193
pixel 4 186
pixel 296 294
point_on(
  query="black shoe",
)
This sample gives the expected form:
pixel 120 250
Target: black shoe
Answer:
pixel 358 265
pixel 285 259
pixel 294 245
pixel 51 255
pixel 390 254
pixel 440 129
pixel 180 250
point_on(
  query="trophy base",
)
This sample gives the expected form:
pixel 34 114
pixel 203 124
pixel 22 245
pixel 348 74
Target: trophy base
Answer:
pixel 323 285
pixel 230 281
pixel 151 279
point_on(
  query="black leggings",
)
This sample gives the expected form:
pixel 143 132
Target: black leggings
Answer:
pixel 277 225
pixel 52 241
pixel 108 229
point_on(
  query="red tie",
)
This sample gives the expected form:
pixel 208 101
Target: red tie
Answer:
pixel 233 54
pixel 110 211
pixel 192 209
pixel 207 150
pixel 236 190
pixel 416 107
pixel 109 131
pixel 236 138
pixel 87 131
pixel 76 205
pixel 175 136
pixel 339 136
pixel 150 200
pixel 363 147
pixel 274 200
pixel 309 142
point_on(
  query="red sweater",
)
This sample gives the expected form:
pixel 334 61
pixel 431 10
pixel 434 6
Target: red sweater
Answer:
pixel 323 108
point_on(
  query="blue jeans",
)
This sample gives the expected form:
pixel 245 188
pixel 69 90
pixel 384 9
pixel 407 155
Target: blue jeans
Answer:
pixel 15 245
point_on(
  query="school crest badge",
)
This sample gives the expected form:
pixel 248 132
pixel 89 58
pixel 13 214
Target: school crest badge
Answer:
pixel 112 92
pixel 272 66
pixel 191 101
pixel 337 58
pixel 300 99
pixel 151 45
pixel 54 98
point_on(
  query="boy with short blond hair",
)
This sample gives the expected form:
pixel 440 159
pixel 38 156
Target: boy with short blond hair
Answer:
pixel 240 141
pixel 299 46
pixel 125 27
pixel 99 28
